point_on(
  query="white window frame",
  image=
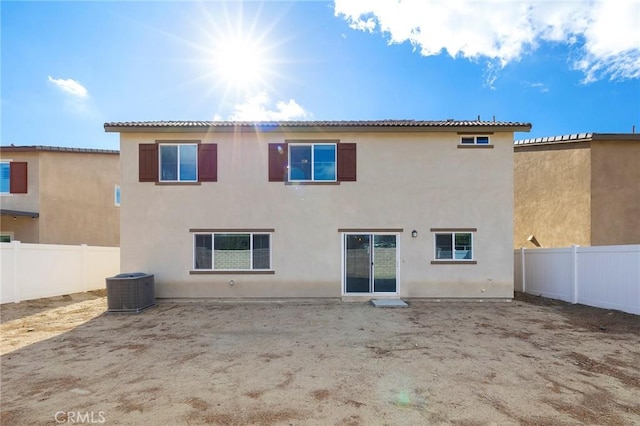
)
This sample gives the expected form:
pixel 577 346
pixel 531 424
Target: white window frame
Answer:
pixel 453 246
pixel 9 234
pixel 178 145
pixel 343 263
pixel 473 140
pixel 312 145
pixel 7 161
pixel 231 232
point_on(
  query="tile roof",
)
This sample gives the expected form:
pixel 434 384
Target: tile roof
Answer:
pixel 33 148
pixel 290 125
pixel 578 137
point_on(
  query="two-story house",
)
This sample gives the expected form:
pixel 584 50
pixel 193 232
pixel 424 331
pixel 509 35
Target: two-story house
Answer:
pixel 54 195
pixel 396 208
pixel 579 189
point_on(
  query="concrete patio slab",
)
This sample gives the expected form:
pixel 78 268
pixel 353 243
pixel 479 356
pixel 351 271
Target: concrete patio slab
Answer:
pixel 389 303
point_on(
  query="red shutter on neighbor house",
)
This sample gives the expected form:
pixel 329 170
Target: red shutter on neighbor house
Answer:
pixel 346 162
pixel 208 162
pixel 148 162
pixel 278 162
pixel 17 177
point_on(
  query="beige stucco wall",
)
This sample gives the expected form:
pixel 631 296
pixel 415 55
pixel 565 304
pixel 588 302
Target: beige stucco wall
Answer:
pixel 24 229
pixel 74 194
pixel 405 180
pixel 552 195
pixel 30 200
pixel 615 192
pixel 77 198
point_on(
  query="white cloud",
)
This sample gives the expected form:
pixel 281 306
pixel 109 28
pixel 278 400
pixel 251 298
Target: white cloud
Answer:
pixel 70 86
pixel 612 42
pixel 537 86
pixel 257 108
pixel 605 32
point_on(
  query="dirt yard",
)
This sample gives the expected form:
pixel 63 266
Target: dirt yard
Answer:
pixel 528 362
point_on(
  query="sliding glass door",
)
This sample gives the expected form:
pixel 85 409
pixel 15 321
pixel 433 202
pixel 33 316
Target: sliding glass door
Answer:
pixel 370 262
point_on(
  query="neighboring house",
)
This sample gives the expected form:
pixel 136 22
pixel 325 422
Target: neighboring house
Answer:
pixel 581 189
pixel 319 209
pixel 54 195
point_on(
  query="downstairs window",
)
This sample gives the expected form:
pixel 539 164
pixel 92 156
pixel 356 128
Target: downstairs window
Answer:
pixel 232 251
pixel 454 246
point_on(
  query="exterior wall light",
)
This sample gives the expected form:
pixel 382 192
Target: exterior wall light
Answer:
pixel 414 233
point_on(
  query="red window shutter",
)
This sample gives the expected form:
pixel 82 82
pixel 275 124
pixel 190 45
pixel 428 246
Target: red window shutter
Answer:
pixel 148 162
pixel 278 162
pixel 17 177
pixel 346 162
pixel 208 162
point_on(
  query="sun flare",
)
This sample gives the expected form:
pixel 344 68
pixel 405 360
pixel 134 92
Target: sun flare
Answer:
pixel 238 52
pixel 240 63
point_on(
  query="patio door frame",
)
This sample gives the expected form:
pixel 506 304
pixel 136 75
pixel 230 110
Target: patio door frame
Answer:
pixel 371 234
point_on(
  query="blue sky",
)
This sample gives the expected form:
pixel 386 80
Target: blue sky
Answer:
pixel 69 67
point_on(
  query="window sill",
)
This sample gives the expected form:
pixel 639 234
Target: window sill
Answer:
pixel 235 231
pixel 454 262
pixel 232 272
pixel 475 146
pixel 311 183
pixel 178 183
pixel 454 229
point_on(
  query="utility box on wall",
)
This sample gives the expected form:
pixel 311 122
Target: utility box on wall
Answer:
pixel 131 292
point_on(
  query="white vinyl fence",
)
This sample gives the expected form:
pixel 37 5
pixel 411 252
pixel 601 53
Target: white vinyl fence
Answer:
pixel 603 276
pixel 31 271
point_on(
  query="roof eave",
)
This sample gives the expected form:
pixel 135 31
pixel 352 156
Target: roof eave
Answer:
pixel 19 213
pixel 577 138
pixel 480 127
pixel 616 136
pixel 42 148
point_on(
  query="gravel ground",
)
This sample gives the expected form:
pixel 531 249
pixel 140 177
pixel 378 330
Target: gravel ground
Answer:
pixel 532 361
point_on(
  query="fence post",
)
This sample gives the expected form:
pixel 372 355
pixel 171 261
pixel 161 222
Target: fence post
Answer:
pixel 16 287
pixel 574 273
pixel 522 265
pixel 85 284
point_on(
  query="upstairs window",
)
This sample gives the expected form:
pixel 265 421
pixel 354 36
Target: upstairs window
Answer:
pixel 312 162
pixel 178 162
pixel 13 177
pixel 5 170
pixel 474 140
